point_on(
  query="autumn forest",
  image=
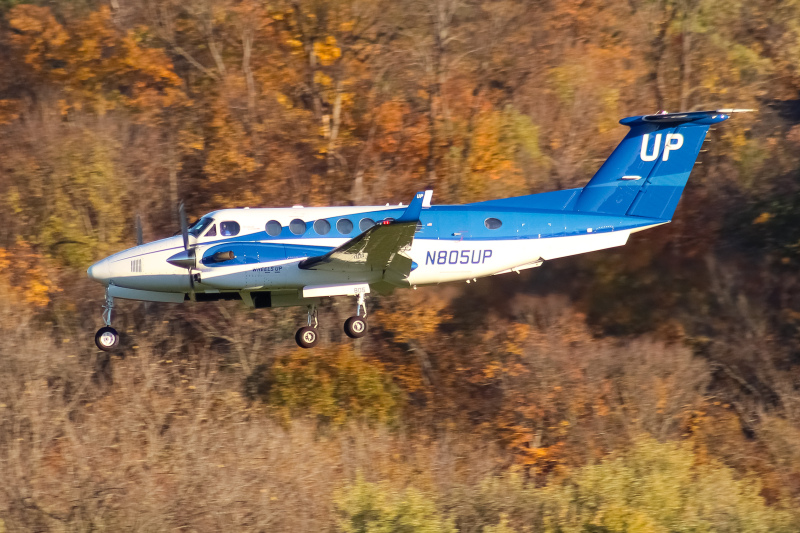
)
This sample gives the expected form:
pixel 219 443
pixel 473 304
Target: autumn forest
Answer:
pixel 647 389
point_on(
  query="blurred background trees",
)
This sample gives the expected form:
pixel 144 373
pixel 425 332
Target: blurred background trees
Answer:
pixel 650 388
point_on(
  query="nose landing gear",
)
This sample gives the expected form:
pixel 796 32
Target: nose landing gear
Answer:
pixel 308 336
pixel 355 327
pixel 107 337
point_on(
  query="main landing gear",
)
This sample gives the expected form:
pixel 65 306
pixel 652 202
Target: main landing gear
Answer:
pixel 107 337
pixel 355 327
pixel 308 336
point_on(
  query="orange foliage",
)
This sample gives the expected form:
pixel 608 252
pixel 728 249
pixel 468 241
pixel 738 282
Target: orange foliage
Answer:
pixel 25 276
pixel 93 62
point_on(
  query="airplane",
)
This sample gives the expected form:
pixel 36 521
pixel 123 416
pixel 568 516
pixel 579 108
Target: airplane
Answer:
pixel 280 257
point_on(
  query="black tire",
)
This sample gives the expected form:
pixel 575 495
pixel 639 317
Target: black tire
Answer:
pixel 355 327
pixel 106 338
pixel 306 337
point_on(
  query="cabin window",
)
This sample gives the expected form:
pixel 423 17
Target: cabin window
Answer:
pixel 322 226
pixel 229 228
pixel 365 224
pixel 212 232
pixel 297 226
pixel 198 227
pixel 344 226
pixel 492 223
pixel 273 228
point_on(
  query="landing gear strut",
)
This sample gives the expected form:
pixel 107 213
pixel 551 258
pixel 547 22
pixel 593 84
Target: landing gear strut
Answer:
pixel 107 337
pixel 355 327
pixel 308 336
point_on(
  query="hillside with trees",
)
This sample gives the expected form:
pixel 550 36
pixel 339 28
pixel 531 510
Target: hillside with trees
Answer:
pixel 651 388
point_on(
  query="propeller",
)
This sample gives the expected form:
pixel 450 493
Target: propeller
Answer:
pixel 139 242
pixel 139 239
pixel 185 259
pixel 184 226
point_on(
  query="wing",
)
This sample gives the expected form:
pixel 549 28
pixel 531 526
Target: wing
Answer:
pixel 382 248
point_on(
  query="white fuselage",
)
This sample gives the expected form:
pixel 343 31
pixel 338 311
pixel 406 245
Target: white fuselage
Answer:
pixel 439 254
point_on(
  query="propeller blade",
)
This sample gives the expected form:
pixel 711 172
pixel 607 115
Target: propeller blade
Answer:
pixel 184 228
pixel 139 239
pixel 191 286
pixel 186 258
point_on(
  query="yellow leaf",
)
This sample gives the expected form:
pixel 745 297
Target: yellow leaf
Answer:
pixel 763 218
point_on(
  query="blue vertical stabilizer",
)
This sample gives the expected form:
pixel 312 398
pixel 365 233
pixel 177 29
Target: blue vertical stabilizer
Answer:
pixel 647 172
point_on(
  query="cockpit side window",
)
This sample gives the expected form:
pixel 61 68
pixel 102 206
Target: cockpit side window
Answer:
pixel 197 228
pixel 229 228
pixel 212 232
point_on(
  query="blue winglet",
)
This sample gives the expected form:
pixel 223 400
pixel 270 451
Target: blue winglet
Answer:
pixel 411 214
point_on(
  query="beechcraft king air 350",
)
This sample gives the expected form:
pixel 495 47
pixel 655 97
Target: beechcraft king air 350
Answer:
pixel 295 256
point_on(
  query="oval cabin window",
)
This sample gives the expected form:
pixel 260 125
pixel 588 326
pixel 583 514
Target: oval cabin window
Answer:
pixel 274 228
pixel 344 226
pixel 297 226
pixel 365 224
pixel 322 226
pixel 492 223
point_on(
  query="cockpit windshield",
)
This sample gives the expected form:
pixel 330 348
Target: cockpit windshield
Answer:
pixel 198 227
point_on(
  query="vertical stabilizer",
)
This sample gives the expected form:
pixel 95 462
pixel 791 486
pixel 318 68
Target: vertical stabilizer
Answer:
pixel 646 173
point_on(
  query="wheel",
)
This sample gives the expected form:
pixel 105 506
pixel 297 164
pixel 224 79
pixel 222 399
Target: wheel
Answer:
pixel 355 327
pixel 306 337
pixel 106 338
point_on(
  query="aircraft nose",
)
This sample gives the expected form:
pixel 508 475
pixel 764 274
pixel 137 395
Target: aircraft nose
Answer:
pixel 100 272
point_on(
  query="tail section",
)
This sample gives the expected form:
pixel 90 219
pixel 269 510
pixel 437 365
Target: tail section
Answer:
pixel 646 173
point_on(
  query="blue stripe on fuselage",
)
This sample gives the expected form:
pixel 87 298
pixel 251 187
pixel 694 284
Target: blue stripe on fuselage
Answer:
pixel 442 222
pixel 467 222
pixel 246 253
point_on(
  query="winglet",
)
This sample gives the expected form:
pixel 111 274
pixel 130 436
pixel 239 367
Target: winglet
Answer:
pixel 426 202
pixel 411 214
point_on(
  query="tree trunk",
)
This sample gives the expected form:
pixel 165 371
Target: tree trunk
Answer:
pixel 686 69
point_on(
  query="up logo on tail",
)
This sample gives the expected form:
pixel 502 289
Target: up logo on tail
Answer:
pixel 671 143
